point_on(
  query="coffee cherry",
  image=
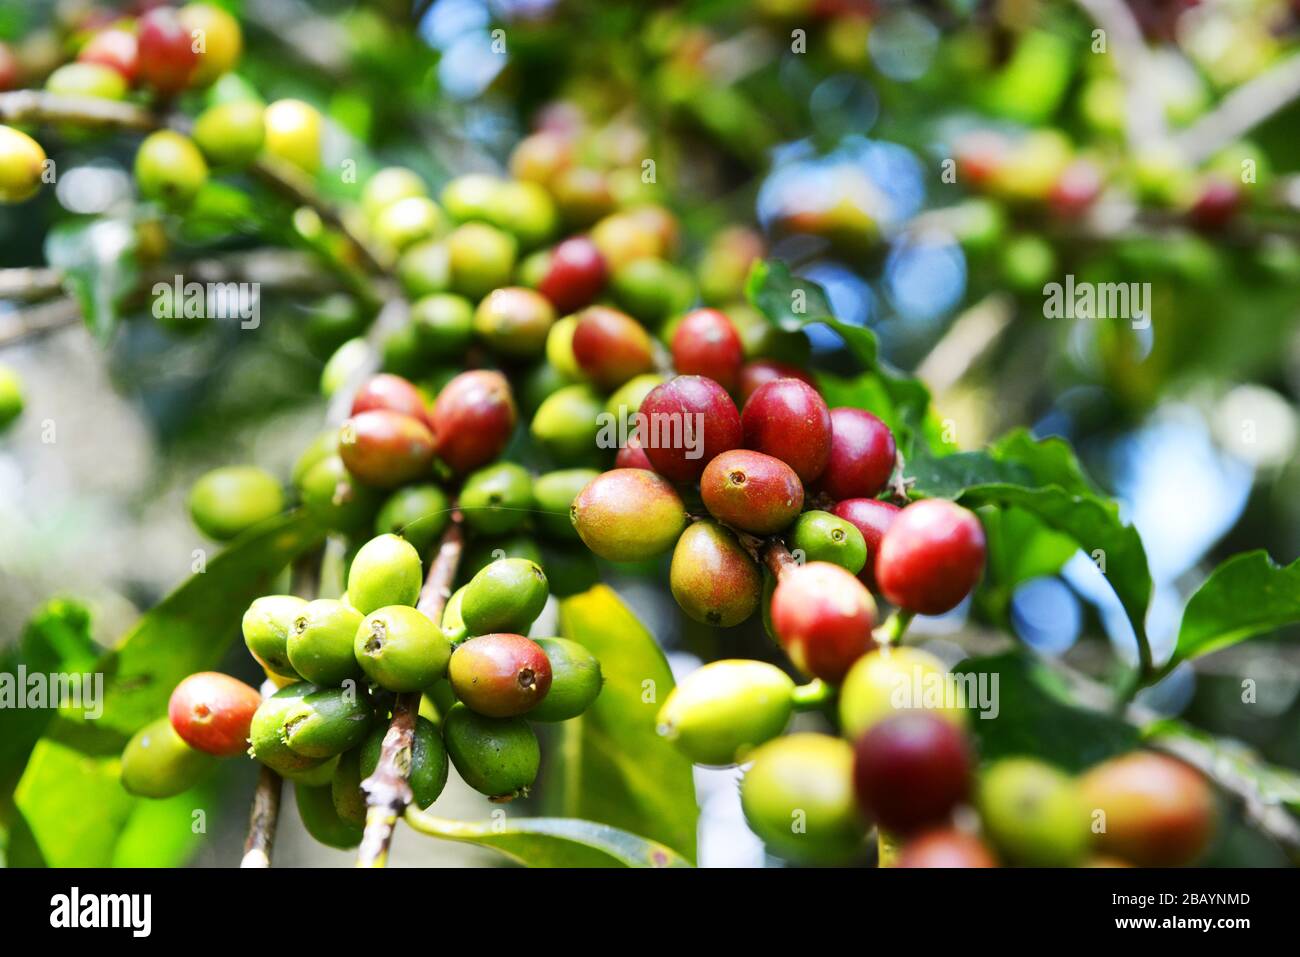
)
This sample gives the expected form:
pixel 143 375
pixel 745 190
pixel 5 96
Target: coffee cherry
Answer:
pixel 632 456
pixel 230 500
pixel 389 185
pixel 21 163
pixel 10 68
pixel 555 492
pixel 582 194
pixel 320 642
pixel 482 552
pixel 425 268
pixel 325 721
pixel 823 617
pixel 575 274
pixel 293 134
pixel 469 197
pixel 576 681
pixel 629 515
pixel 821 537
pixel 505 596
pixel 751 491
pixel 267 733
pixel 570 569
pixel 223 41
pixel 212 712
pixel 726 262
pixel 652 290
pixel 406 222
pixel 157 763
pixel 777 353
pixel 497 498
pixel 713 578
pixel 385 448
pixel 513 322
pixel 910 771
pixel 473 418
pixel 335 499
pixel 231 134
pixel 500 675
pixel 345 782
pixel 559 350
pixel 482 259
pixel 722 711
pixel 428 775
pixel 787 419
pixel 266 626
pixel 498 757
pixel 1158 812
pixel 453 622
pixel 626 401
pixel 568 424
pixel 931 557
pixel 798 797
pixel 1034 814
pixel 525 211
pixel 400 649
pixel 611 347
pixel 169 168
pixel 706 344
pixel 322 821
pixel 689 421
pixel 444 325
pixel 945 848
pixel 891 681
pixel 391 392
pixel 11 397
pixel 872 518
pixel 862 458
pixel 386 571
pixel 167 59
pixel 115 48
pixel 1217 204
pixel 538 157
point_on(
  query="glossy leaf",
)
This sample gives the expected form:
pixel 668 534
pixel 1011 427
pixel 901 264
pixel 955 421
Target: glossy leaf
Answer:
pixel 1247 595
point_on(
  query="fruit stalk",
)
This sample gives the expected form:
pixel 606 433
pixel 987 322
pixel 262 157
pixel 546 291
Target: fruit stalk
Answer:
pixel 777 558
pixel 262 820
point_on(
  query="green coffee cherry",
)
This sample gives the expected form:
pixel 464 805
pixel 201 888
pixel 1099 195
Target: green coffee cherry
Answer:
pixel 576 681
pixel 87 79
pixel 333 320
pixel 506 596
pixel 570 569
pixel 497 498
pixel 408 221
pixel 498 757
pixel 400 649
pixel 335 499
pixel 453 622
pixel 798 797
pixel 11 397
pixel 1034 814
pixel 721 712
pixel 428 761
pixel 340 369
pixel 389 185
pixel 483 552
pixel 425 269
pixel 559 349
pixel 345 785
pixel 293 134
pixel 158 764
pixel 525 210
pixel 22 161
pixel 386 571
pixel 327 721
pixel 650 289
pixel 713 578
pixel 539 382
pixel 322 821
pixel 418 513
pixel 514 322
pixel 482 259
pixel 169 168
pixel 231 134
pixel 318 777
pixel 320 642
pixel 554 493
pixel 267 625
pixel 887 681
pixel 444 325
pixel 470 196
pixel 626 401
pixel 230 500
pixel 442 697
pixel 267 731
pixel 823 537
pixel 568 423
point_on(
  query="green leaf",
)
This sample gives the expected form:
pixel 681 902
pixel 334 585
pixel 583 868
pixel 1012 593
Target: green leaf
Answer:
pixel 1035 718
pixel 97 259
pixel 167 832
pixel 552 841
pixel 624 773
pixel 1247 595
pixel 1020 548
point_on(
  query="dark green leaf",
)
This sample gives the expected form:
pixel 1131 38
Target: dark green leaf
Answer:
pixel 97 259
pixel 1020 548
pixel 1248 595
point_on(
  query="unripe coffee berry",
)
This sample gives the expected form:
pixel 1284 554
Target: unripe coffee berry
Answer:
pixel 626 401
pixel 482 258
pixel 293 134
pixel 222 40
pixel 525 211
pixel 872 518
pixel 575 274
pixel 576 680
pixel 335 498
pixel 321 819
pixel 500 675
pixel 21 163
pixel 506 596
pixel 267 625
pixel 418 513
pixel 722 711
pixel 11 397
pixel 115 48
pixel 611 347
pixel 326 721
pixel 166 59
pixel 473 418
pixel 823 617
pixel 390 184
pixel 706 343
pixel 320 643
pixel 453 622
pixel 629 515
pixel 497 498
pixel 685 424
pixel 386 449
pixel 87 79
pixel 498 757
pixel 267 733
pixel 230 500
pixel 947 848
pixel 896 680
pixel 862 458
pixel 428 775
pixel 1034 814
pixel 169 168
pixel 653 290
pixel 762 371
pixel 444 325
pixel 513 322
pixel 931 557
pixel 385 571
pixel 212 712
pixel 910 771
pixel 821 537
pixel 713 578
pixel 400 649
pixel 231 134
pixel 554 493
pixel 751 491
pixel 406 222
pixel 787 419
pixel 568 423
pixel 157 763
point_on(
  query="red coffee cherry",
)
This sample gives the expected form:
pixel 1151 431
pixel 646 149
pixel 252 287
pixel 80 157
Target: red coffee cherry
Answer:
pixel 10 69
pixel 946 848
pixel 391 392
pixel 385 448
pixel 751 491
pixel 632 456
pixel 1217 204
pixel 706 343
pixel 863 455
pixel 166 51
pixel 472 419
pixel 688 421
pixel 575 275
pixel 872 518
pixel 931 557
pixel 1075 189
pixel 762 371
pixel 611 347
pixel 115 48
pixel 500 675
pixel 788 419
pixel 823 617
pixel 910 771
pixel 211 712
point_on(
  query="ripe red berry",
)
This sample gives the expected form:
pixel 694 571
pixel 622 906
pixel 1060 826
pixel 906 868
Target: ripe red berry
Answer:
pixel 385 448
pixel 911 770
pixel 10 69
pixel 931 557
pixel 823 617
pixel 788 419
pixel 212 712
pixel 685 423
pixel 632 455
pixel 115 48
pixel 473 418
pixel 862 455
pixel 872 518
pixel 1075 189
pixel 391 392
pixel 500 675
pixel 706 343
pixel 575 275
pixel 167 58
pixel 611 347
pixel 762 371
pixel 751 491
pixel 1216 205
pixel 946 848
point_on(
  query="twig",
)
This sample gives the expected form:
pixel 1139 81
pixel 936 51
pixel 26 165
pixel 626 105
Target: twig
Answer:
pixel 387 790
pixel 1144 116
pixel 30 283
pixel 262 820
pixel 1248 105
pixel 38 320
pixel 777 558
